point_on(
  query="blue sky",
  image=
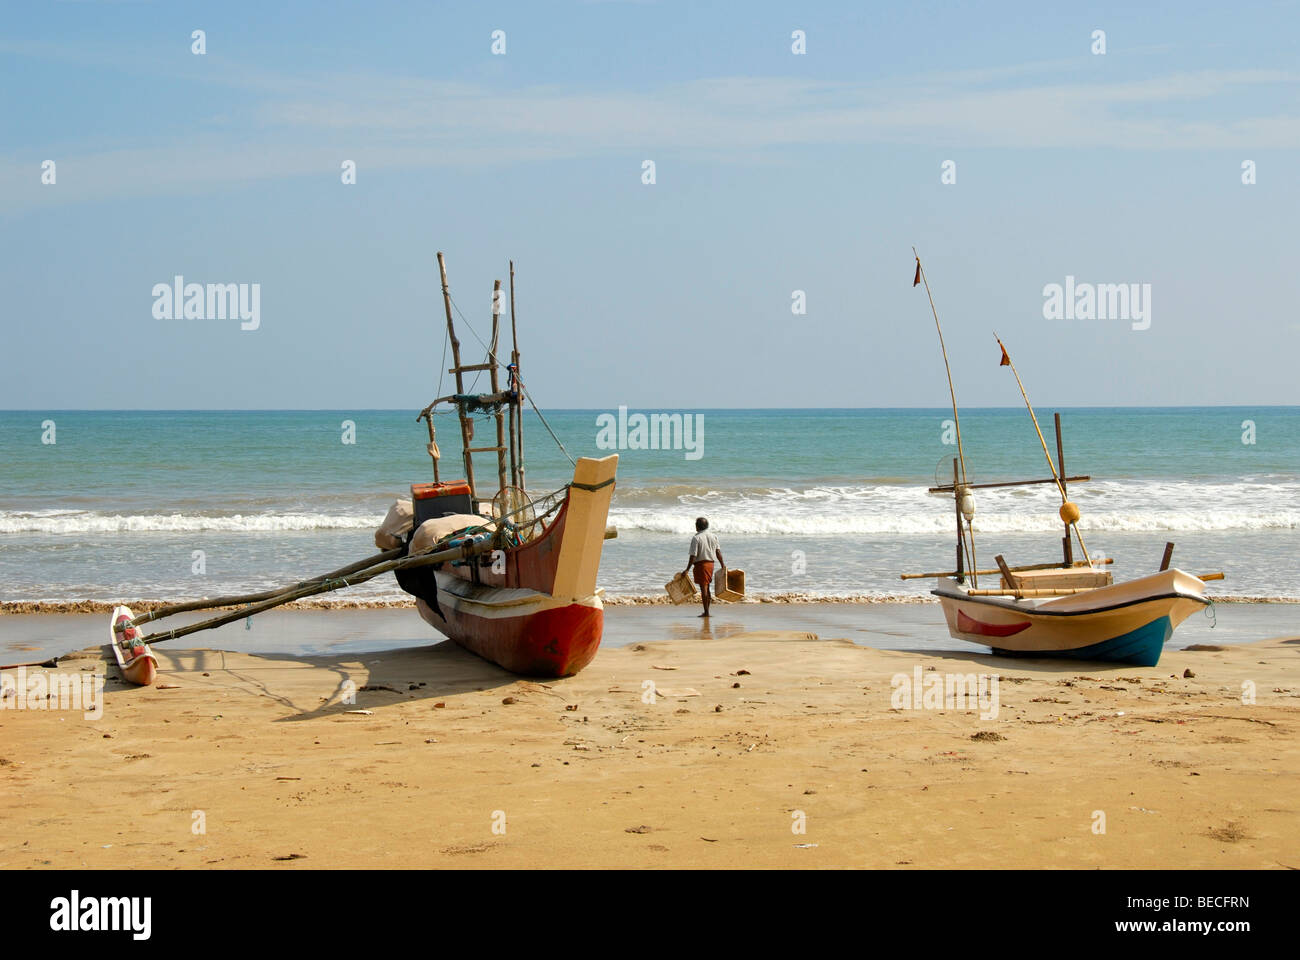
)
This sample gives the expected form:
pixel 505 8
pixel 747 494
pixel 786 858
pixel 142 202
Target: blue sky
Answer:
pixel 775 172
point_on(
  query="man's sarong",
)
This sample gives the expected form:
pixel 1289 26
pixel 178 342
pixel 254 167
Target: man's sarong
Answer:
pixel 704 573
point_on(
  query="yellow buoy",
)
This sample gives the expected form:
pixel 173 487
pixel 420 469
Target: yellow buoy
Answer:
pixel 1070 512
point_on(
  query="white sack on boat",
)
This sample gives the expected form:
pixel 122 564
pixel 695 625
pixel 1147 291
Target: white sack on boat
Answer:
pixel 398 522
pixel 434 529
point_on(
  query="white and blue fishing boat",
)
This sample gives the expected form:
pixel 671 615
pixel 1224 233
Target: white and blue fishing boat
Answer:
pixel 1069 609
pixel 1125 622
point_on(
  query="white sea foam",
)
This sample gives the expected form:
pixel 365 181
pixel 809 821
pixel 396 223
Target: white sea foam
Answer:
pixel 76 521
pixel 826 510
pixel 892 509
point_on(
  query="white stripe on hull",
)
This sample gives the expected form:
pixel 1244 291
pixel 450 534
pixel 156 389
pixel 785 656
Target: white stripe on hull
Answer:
pixel 1074 621
pixel 494 603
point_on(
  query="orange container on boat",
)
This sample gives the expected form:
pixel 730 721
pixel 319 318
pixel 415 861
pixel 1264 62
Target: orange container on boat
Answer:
pixel 439 499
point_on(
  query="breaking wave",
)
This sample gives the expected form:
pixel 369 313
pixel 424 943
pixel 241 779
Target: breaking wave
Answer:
pixel 909 510
pixel 815 510
pixel 77 521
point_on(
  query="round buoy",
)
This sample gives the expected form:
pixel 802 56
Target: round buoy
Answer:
pixel 1070 512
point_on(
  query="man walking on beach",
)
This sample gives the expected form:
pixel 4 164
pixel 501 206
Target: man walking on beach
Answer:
pixel 705 552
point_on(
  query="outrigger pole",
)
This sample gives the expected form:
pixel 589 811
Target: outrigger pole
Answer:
pixel 323 585
pixel 1069 512
pixel 956 421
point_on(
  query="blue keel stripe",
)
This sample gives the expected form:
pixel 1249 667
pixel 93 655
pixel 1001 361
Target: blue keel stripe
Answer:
pixel 1141 647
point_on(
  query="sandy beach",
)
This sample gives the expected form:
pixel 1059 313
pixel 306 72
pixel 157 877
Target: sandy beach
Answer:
pixel 748 747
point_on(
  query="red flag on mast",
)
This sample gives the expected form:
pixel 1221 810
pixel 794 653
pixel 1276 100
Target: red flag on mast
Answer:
pixel 917 279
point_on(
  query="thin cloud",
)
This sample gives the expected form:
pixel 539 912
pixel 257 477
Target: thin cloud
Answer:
pixel 302 124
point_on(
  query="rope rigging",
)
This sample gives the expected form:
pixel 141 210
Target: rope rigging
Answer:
pixel 519 380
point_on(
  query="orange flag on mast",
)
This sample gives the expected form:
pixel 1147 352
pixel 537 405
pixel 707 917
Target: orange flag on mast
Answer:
pixel 917 279
pixel 1006 359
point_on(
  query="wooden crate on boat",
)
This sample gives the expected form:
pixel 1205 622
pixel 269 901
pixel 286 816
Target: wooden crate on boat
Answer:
pixel 1068 578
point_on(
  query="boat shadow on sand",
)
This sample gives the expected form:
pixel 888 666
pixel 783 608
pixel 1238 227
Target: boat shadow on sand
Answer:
pixel 1002 664
pixel 325 685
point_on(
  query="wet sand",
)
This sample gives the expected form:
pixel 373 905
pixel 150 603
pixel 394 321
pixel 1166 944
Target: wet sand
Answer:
pixel 35 637
pixel 252 759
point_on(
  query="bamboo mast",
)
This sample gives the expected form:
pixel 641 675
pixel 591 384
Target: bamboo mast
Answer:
pixel 496 384
pixel 510 380
pixel 519 383
pixel 956 418
pixel 961 575
pixel 466 427
pixel 1067 553
pixel 1069 516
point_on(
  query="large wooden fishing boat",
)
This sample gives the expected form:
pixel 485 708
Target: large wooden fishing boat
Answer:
pixel 510 577
pixel 533 606
pixel 1071 608
pixel 530 602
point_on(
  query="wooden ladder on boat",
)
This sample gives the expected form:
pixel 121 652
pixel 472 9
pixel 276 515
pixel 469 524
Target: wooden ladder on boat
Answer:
pixel 509 450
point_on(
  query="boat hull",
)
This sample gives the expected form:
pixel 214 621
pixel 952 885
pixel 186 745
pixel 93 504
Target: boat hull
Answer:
pixel 540 637
pixel 535 609
pixel 1124 623
pixel 134 659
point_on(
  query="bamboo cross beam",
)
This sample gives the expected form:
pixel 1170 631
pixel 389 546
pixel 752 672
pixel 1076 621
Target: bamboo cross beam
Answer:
pixel 1020 569
pixel 948 488
pixel 324 586
pixel 1034 592
pixel 231 601
pixel 1058 591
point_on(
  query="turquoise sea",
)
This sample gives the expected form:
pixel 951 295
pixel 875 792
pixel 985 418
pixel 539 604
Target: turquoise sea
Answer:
pixel 170 504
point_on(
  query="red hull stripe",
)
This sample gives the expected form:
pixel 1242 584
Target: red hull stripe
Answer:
pixel 967 625
pixel 550 643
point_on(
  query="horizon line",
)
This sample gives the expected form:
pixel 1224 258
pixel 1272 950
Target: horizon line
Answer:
pixel 1110 406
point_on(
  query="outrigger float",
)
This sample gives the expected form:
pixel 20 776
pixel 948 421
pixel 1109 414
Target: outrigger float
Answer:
pixel 1071 609
pixel 510 577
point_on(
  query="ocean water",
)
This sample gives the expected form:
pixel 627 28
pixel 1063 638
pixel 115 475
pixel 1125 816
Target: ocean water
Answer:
pixel 174 504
